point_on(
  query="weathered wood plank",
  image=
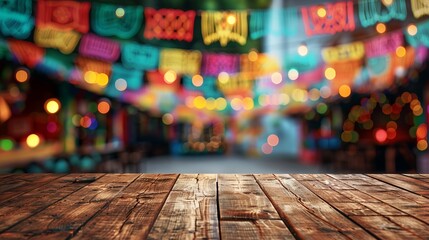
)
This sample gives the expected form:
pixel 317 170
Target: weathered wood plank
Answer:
pixel 13 181
pixel 69 214
pixel 413 225
pixel 190 210
pixel 13 211
pixel 131 214
pixel 404 182
pixel 306 214
pixel 254 229
pixel 240 197
pixel 384 228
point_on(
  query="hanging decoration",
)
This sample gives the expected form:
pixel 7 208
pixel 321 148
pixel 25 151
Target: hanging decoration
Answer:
pixel 208 88
pixel 65 41
pixel 134 78
pixel 309 78
pixel 66 15
pixel 350 51
pixel 380 72
pixel 87 64
pixel 421 37
pixel 264 64
pixel 16 19
pixel 346 72
pixel 214 63
pixel 403 60
pixel 26 52
pixel 224 26
pixel 106 21
pixel 276 22
pixel 374 11
pixel 329 18
pixel 419 8
pixel 180 61
pixel 384 44
pixel 156 81
pixel 137 56
pixel 301 63
pixel 169 24
pixel 238 84
pixel 92 45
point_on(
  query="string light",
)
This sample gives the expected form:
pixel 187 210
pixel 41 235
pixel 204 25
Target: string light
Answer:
pixel 103 106
pixel 293 74
pixel 253 56
pixel 330 73
pixel 167 119
pixel 276 78
pixel 401 51
pixel 197 80
pixel 321 12
pixel 33 140
pixel 170 76
pixel 380 28
pixel 223 77
pixel 302 50
pixel 52 105
pixel 344 91
pixel 412 29
pixel 21 75
pixel 120 12
pixel 231 19
pixel 121 84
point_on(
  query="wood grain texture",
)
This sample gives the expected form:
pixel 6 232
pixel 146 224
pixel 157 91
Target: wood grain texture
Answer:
pixel 131 214
pixel 190 210
pixel 254 229
pixel 306 214
pixel 69 214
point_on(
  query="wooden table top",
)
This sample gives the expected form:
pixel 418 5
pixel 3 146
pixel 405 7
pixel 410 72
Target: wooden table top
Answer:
pixel 227 206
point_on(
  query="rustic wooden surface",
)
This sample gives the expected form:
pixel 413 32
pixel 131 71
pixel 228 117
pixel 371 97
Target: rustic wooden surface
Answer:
pixel 210 206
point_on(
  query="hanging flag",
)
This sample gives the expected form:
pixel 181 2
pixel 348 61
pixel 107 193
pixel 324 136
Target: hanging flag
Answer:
pixel 65 41
pixel 328 18
pixel 419 8
pixel 169 24
pixel 105 49
pixel 421 37
pixel 380 72
pixel 16 19
pixel 156 81
pixel 180 61
pixel 383 44
pixel 238 84
pixel 134 78
pixel 27 53
pixel 346 72
pixel 214 63
pixel 224 26
pixel 66 15
pixel 276 22
pixel 208 87
pixel 88 64
pixel 112 20
pixel 293 60
pixel 350 51
pixel 262 65
pixel 374 11
pixel 137 56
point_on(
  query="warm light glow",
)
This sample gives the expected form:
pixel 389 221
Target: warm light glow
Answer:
pixel 236 104
pixel 422 131
pixel 380 28
pixel 21 75
pixel 346 136
pixel 314 94
pixel 90 77
pixel 102 79
pixel 325 92
pixel 273 140
pixel 200 102
pixel 392 124
pixel 422 145
pixel 321 12
pixel 266 149
pixel 302 50
pixel 330 73
pixel 293 74
pixel 344 91
pixel 223 77
pixel 387 2
pixel 231 19
pixel 103 107
pixel 121 84
pixel 284 99
pixel 401 51
pixel 197 80
pixel 167 119
pixel 33 140
pixel 248 103
pixel 52 105
pixel 85 121
pixel 412 29
pixel 276 78
pixel 170 76
pixel 381 135
pixel 221 104
pixel 120 12
pixel 211 103
pixel 253 56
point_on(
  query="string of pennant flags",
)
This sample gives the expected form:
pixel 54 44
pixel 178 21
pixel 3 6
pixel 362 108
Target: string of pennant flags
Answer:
pixel 102 41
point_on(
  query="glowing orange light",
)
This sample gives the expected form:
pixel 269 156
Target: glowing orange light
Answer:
pixel 381 135
pixel 52 105
pixel 197 80
pixel 103 107
pixel 344 91
pixel 380 28
pixel 273 140
pixel 253 56
pixel 321 12
pixel 412 29
pixel 422 145
pixel 85 121
pixel 401 51
pixel 33 140
pixel 422 131
pixel 21 75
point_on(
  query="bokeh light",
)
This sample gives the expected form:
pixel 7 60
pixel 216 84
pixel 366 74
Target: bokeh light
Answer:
pixel 293 74
pixel 21 75
pixel 412 29
pixel 302 50
pixel 401 51
pixel 380 28
pixel 330 73
pixel 253 56
pixel 223 77
pixel 121 84
pixel 321 12
pixel 276 78
pixel 380 135
pixel 120 12
pixel 168 119
pixel 103 106
pixel 170 76
pixel 197 80
pixel 266 148
pixel 344 91
pixel 52 105
pixel 273 140
pixel 33 140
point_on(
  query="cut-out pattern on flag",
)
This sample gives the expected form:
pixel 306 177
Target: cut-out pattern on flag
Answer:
pixel 87 64
pixel 420 8
pixel 180 61
pixel 134 78
pixel 16 19
pixel 214 63
pixel 170 24
pixel 65 41
pixel 27 53
pixel 92 45
pixel 384 44
pixel 105 22
pixel 276 22
pixel 137 56
pixel 238 84
pixel 346 73
pixel 338 17
pixel 373 11
pixel 208 88
pixel 421 37
pixel 156 81
pixel 350 51
pixel 66 15
pixel 224 26
pixel 380 71
pixel 263 65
